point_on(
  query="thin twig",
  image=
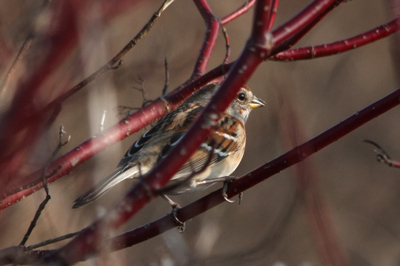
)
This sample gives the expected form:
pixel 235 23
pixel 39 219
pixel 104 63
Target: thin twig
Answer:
pixel 46 186
pixel 165 89
pixel 21 54
pixel 51 241
pixel 237 13
pixel 227 44
pixel 126 110
pixel 15 64
pixel 117 59
pixel 272 13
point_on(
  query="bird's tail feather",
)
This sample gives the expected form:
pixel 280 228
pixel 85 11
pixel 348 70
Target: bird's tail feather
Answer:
pixel 102 187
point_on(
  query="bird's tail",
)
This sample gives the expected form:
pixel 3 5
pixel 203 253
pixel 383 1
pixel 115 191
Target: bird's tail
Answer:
pixel 102 187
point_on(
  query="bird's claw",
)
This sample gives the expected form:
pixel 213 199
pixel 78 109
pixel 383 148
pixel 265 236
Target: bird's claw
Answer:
pixel 224 194
pixel 225 189
pixel 174 214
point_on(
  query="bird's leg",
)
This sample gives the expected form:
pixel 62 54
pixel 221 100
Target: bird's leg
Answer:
pixel 175 207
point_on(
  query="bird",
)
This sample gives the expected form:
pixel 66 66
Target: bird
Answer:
pixel 216 158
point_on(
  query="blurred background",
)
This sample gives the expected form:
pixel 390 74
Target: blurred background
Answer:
pixel 271 227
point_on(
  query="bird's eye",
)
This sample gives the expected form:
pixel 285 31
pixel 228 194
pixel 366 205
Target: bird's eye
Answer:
pixel 241 96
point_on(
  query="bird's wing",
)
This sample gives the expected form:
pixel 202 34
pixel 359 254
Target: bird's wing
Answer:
pixel 175 122
pixel 136 147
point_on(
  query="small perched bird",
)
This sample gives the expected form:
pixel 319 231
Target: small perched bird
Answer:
pixel 216 158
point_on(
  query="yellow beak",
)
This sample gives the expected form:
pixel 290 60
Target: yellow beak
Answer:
pixel 256 102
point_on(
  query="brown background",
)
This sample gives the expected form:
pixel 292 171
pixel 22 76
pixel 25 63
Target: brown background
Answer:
pixel 271 226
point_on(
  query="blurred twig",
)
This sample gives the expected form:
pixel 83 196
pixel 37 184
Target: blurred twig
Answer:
pixel 21 54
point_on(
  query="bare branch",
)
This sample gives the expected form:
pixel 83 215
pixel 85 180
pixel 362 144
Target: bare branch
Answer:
pixel 339 46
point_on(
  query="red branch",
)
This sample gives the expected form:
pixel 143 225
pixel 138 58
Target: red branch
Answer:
pixel 310 17
pixel 212 28
pixel 339 46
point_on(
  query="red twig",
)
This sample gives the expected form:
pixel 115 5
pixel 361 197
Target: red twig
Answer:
pixel 227 45
pixel 272 13
pixel 237 13
pixel 339 46
pixel 212 28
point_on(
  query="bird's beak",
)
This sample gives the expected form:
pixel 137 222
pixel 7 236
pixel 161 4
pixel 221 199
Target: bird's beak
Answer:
pixel 256 102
